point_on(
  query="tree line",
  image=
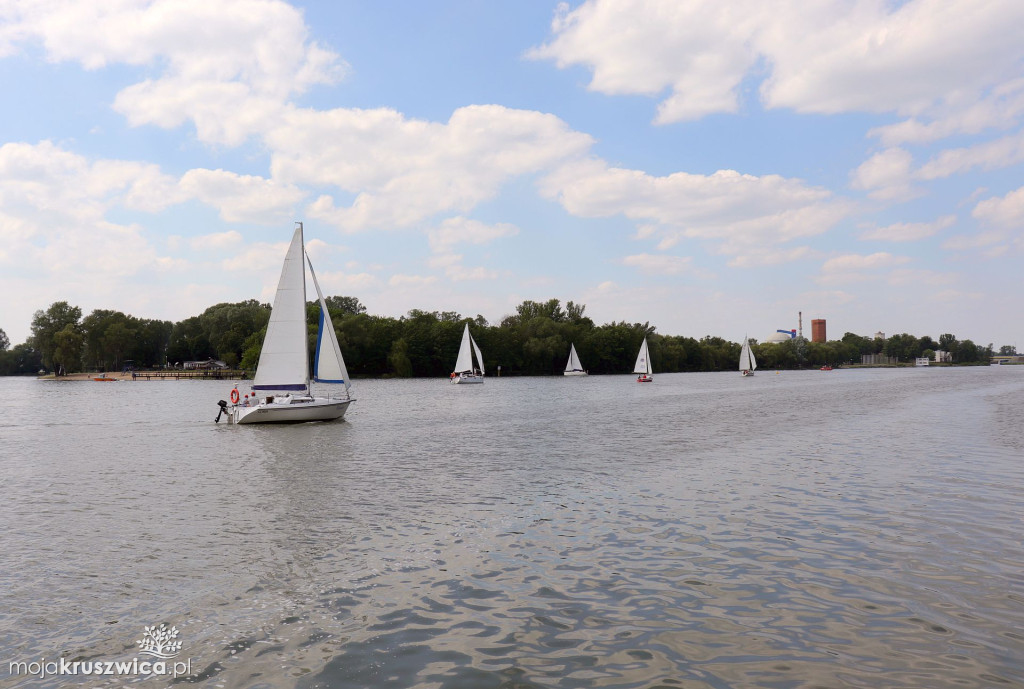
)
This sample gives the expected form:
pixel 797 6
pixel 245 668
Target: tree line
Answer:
pixel 534 340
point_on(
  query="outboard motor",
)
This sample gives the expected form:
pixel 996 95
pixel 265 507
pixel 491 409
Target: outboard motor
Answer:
pixel 223 410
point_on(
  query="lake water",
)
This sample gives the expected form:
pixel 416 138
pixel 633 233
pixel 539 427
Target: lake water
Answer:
pixel 854 528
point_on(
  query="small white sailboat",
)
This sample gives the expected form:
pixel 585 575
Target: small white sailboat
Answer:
pixel 282 375
pixel 643 365
pixel 465 371
pixel 573 367
pixel 748 364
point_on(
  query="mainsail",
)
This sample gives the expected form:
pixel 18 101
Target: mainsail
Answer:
pixel 284 359
pixel 574 361
pixel 465 360
pixel 747 360
pixel 643 361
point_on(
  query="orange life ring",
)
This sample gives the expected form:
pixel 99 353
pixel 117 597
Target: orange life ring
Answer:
pixel 234 396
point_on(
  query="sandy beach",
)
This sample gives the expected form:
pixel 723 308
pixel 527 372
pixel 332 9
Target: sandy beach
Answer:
pixel 88 376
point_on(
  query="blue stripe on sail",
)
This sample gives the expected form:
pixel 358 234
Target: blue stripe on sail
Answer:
pixel 322 380
pixel 319 339
pixel 287 386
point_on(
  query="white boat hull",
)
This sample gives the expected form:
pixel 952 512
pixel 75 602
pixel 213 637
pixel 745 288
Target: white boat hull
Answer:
pixel 574 373
pixel 289 410
pixel 747 374
pixel 466 378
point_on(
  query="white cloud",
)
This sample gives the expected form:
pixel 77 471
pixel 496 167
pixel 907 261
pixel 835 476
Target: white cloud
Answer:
pixel 459 273
pixel 453 269
pixel 228 66
pixel 825 299
pixel 242 198
pixel 937 58
pixel 910 277
pixel 979 240
pixel 217 240
pixel 403 171
pixel 852 262
pixel 410 281
pixel 460 230
pixel 698 50
pixel 1002 218
pixel 737 211
pixel 1006 211
pixel 261 258
pixel 909 231
pixel 990 155
pixel 338 282
pixel 45 177
pixel 658 264
pixel 773 257
pixel 886 176
pixel 1000 108
pixel 858 267
pixel 53 205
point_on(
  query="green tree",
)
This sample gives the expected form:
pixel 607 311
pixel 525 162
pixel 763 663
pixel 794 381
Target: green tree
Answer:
pixel 118 339
pixel 968 352
pixel 46 324
pixel 399 360
pixel 5 342
pixel 903 346
pixel 344 305
pixel 948 343
pixel 67 353
pixel 21 359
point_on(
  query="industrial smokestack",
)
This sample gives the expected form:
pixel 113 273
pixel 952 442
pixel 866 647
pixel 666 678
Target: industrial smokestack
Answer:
pixel 800 322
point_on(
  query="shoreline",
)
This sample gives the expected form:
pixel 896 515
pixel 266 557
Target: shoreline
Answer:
pixel 144 375
pixel 87 376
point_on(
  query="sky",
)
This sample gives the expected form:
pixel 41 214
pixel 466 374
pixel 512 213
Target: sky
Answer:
pixel 712 167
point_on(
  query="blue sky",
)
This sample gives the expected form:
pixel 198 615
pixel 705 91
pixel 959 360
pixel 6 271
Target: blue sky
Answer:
pixel 712 167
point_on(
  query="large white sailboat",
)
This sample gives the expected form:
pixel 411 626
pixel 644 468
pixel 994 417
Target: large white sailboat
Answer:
pixel 643 365
pixel 281 391
pixel 748 364
pixel 465 370
pixel 573 367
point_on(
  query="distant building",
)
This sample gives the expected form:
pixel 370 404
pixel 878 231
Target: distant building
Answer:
pixel 780 336
pixel 208 364
pixel 943 357
pixel 921 361
pixel 818 330
pixel 879 335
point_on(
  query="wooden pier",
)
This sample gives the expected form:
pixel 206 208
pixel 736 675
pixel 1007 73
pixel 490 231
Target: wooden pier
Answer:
pixel 191 374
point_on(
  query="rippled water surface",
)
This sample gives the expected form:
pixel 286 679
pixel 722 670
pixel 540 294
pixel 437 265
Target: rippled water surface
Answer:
pixel 858 528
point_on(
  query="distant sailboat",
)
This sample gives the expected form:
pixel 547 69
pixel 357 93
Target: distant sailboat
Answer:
pixel 465 371
pixel 643 365
pixel 283 367
pixel 573 367
pixel 748 364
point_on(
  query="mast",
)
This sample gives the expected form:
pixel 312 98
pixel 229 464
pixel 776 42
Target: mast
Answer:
pixel 305 349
